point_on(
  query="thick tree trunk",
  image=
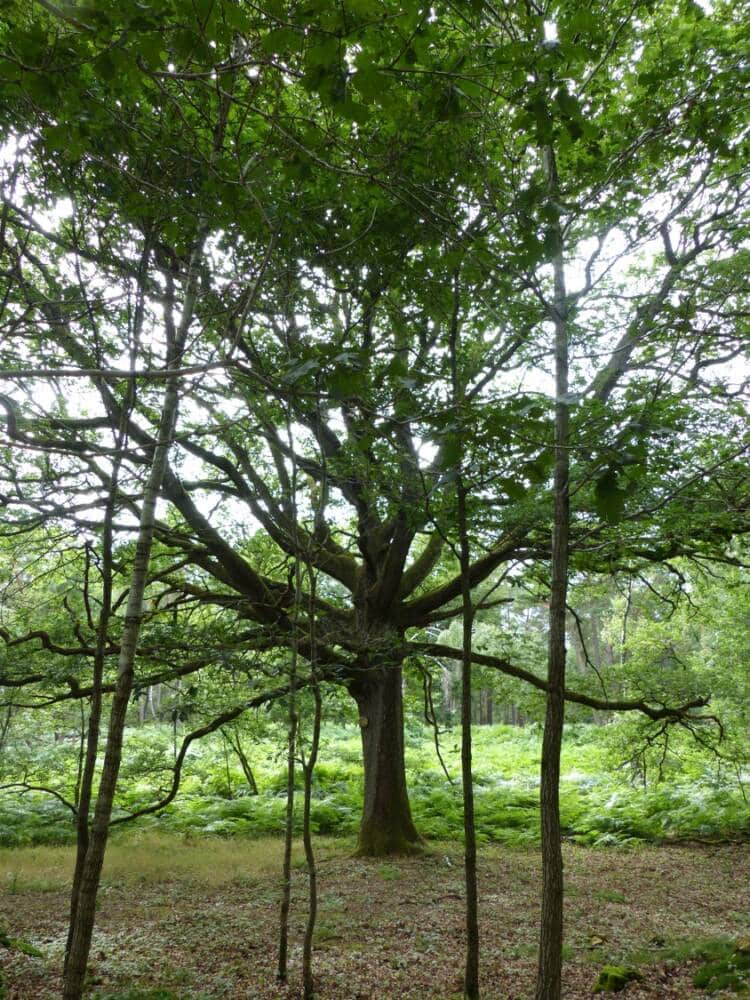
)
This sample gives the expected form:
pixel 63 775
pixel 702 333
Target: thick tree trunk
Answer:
pixel 387 826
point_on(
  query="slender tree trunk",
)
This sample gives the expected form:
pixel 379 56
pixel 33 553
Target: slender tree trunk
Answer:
pixel 227 769
pixel 235 743
pixel 446 682
pixel 308 767
pixel 308 985
pixel 549 977
pixel 95 709
pixel 94 723
pixel 80 943
pixel 286 868
pixel 471 970
pixel 5 725
pixel 292 730
pixel 387 826
pixel 91 870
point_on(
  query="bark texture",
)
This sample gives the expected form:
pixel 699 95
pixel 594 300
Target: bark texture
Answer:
pixel 94 723
pixel 549 976
pixel 308 983
pixel 286 872
pixel 387 826
pixel 471 968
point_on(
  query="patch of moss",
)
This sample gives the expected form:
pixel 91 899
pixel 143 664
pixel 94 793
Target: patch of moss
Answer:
pixel 389 872
pixel 26 948
pixel 614 978
pixel 610 897
pixel 728 973
pixel 19 944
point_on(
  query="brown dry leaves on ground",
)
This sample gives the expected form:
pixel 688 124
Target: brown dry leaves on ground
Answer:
pixel 200 920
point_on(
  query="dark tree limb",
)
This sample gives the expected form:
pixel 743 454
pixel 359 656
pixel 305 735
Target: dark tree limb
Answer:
pixel 602 704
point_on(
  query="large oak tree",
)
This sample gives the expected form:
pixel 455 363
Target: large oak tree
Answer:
pixel 361 171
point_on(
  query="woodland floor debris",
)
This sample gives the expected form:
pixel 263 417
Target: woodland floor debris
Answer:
pixel 387 928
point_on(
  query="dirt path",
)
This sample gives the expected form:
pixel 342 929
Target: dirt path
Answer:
pixel 387 929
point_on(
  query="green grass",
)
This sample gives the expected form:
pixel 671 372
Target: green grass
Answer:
pixel 730 971
pixel 388 873
pixel 608 896
pixel 150 857
pixel 599 806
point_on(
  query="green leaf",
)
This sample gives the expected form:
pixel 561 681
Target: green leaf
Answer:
pixel 105 66
pixel 363 8
pixel 537 471
pixel 609 498
pixel 583 22
pixel 299 371
pixel 323 53
pixel 345 383
pixel 283 40
pixel 352 110
pixel 568 105
pixel 57 136
pixel 151 49
pixel 370 82
pixel 451 451
pixel 513 489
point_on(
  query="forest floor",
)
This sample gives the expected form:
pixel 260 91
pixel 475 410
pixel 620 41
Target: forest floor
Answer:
pixel 198 919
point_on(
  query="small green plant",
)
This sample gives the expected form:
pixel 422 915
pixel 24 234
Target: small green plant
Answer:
pixel 19 944
pixel 728 971
pixel 388 872
pixel 609 896
pixel 26 948
pixel 614 978
pixel 599 807
pixel 327 931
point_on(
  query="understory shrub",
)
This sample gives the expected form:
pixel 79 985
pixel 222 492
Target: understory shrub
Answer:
pixel 599 805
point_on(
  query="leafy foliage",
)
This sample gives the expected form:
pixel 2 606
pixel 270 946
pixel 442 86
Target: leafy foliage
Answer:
pixel 600 804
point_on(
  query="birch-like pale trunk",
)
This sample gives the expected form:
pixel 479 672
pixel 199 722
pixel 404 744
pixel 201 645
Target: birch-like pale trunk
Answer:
pixel 549 974
pixel 90 875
